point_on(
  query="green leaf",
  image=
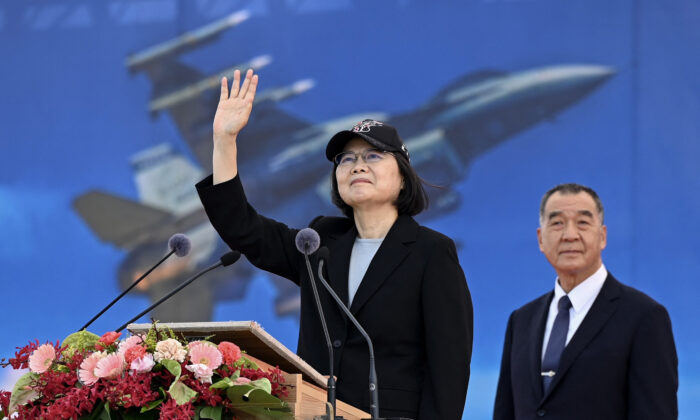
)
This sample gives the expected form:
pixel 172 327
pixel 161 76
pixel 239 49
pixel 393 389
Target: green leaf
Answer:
pixel 62 368
pixel 181 393
pixel 22 393
pixel 262 383
pixel 101 412
pixel 247 363
pixel 250 399
pixel 173 367
pixel 223 383
pixel 78 341
pixel 151 405
pixel 213 413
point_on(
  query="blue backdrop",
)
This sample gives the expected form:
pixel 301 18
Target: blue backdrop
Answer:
pixel 73 116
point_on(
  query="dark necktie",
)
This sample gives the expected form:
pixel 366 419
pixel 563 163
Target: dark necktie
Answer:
pixel 557 342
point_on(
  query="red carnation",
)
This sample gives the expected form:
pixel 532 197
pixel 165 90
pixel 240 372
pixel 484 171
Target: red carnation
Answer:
pixel 107 340
pixel 230 351
pixel 133 353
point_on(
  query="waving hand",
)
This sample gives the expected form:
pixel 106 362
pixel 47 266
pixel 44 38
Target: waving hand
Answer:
pixel 231 116
pixel 235 106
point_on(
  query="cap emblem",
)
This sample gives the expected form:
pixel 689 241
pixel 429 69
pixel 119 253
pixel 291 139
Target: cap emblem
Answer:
pixel 364 126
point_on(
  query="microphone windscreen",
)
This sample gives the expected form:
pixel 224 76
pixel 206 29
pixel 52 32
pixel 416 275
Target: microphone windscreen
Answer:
pixel 323 254
pixel 181 244
pixel 307 241
pixel 230 258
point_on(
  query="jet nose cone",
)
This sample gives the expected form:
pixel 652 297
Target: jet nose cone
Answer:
pixel 581 76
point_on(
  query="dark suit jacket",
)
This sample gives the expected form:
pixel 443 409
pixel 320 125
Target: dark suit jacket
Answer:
pixel 413 302
pixel 620 364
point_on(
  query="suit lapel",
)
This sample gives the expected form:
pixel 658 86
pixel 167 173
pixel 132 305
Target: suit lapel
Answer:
pixel 394 249
pixel 539 322
pixel 602 309
pixel 339 264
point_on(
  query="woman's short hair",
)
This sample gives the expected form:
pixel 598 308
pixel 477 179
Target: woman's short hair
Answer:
pixel 412 198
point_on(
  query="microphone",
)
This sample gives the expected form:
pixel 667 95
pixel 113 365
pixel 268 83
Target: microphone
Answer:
pixel 226 260
pixel 307 242
pixel 323 257
pixel 179 245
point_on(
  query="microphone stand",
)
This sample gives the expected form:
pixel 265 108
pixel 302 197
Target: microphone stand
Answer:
pixel 331 378
pixel 228 259
pixel 373 390
pixel 127 290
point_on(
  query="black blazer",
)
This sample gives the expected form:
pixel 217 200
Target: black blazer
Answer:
pixel 413 302
pixel 620 364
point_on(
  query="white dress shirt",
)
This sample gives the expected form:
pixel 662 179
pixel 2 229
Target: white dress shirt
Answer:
pixel 581 296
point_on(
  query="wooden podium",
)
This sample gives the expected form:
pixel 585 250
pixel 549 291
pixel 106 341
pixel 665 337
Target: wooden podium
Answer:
pixel 307 387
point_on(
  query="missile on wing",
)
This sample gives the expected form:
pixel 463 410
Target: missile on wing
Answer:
pixel 280 94
pixel 185 41
pixel 211 82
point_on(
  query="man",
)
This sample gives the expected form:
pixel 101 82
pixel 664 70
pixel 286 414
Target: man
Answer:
pixel 593 348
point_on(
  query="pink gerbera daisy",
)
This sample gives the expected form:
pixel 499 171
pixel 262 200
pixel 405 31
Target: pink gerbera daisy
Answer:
pixel 87 368
pixel 110 367
pixel 205 354
pixel 42 358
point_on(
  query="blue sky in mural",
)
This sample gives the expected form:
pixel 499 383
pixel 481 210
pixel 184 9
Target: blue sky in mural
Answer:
pixel 72 117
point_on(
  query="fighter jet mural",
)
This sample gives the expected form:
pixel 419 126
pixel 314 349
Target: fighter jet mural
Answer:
pixel 282 162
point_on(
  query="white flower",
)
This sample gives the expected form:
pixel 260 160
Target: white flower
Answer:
pixel 142 364
pixel 201 372
pixel 170 349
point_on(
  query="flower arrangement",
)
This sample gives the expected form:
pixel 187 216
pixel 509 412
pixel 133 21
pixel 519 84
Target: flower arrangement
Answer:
pixel 157 375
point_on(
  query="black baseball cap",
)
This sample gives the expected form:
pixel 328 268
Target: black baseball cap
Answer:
pixel 378 134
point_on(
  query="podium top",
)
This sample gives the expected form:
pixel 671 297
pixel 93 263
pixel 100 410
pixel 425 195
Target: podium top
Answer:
pixel 250 337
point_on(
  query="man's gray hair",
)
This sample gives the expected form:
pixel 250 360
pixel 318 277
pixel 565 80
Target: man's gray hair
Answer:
pixel 573 189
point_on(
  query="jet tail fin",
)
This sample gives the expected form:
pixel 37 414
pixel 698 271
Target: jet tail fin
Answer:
pixel 116 219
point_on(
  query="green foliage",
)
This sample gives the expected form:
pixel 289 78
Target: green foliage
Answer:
pixel 100 412
pixel 213 413
pixel 254 399
pixel 223 383
pixel 62 368
pixel 246 363
pixel 262 383
pixel 151 405
pixel 152 339
pixel 173 367
pixel 79 341
pixel 171 334
pixel 22 393
pixel 181 393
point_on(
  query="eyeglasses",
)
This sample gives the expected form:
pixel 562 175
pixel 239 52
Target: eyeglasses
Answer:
pixel 369 156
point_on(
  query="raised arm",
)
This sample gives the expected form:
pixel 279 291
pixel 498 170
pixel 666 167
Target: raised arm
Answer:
pixel 232 115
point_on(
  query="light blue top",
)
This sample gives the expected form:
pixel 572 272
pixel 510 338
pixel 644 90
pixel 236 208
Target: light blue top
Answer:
pixel 363 251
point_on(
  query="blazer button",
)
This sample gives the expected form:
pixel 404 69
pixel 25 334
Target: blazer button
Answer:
pixel 541 412
pixel 337 344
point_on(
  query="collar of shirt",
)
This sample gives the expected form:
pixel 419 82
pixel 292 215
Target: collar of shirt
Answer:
pixel 582 296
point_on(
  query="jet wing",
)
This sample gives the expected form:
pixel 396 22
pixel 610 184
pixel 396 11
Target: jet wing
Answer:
pixel 122 222
pixel 194 115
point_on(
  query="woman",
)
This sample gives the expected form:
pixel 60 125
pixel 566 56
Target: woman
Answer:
pixel 402 281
